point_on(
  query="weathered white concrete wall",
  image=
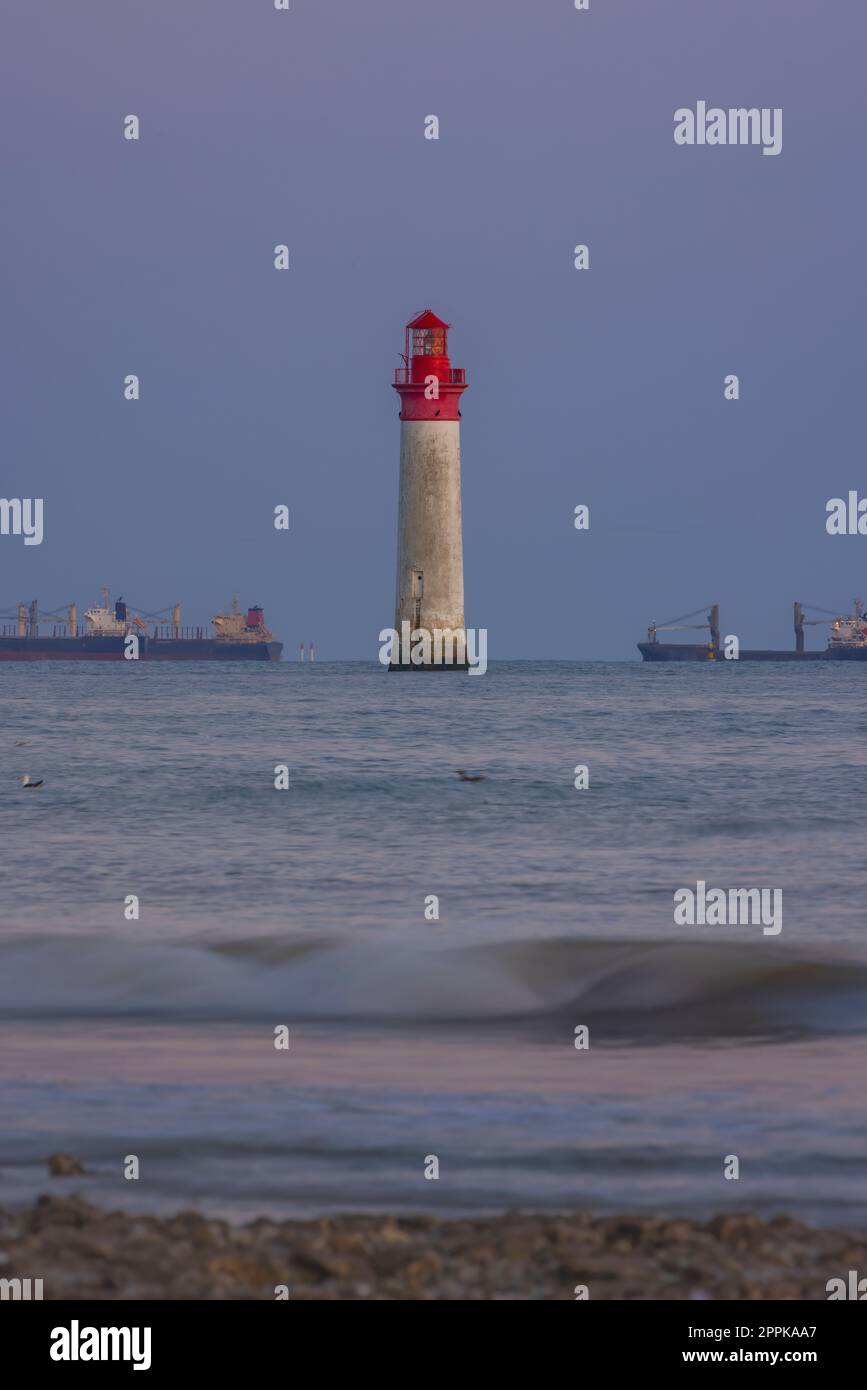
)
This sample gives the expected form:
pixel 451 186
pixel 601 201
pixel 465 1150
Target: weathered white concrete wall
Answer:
pixel 429 524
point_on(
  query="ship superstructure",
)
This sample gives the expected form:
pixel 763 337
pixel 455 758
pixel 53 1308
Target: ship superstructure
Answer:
pixel 849 635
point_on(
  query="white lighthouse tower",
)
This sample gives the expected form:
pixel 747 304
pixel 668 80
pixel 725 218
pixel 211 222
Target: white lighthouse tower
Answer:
pixel 430 561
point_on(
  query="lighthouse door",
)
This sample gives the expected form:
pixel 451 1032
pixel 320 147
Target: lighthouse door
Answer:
pixel 417 596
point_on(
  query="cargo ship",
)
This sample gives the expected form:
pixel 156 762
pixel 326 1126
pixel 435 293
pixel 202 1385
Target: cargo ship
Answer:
pixel 847 639
pixel 108 632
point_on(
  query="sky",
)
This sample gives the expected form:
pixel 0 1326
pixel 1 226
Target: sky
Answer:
pixel 602 387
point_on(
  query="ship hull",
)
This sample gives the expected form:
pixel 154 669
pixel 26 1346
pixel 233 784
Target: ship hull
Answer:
pixel 672 651
pixel 150 649
pixel 205 649
pixel 686 651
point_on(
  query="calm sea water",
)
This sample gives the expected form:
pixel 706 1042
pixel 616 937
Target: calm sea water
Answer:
pixel 454 1037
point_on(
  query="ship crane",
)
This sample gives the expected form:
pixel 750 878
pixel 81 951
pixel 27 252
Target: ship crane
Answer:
pixel 171 614
pixel 28 616
pixel 681 625
pixel 58 612
pixel 801 622
pixel 158 613
pixel 65 615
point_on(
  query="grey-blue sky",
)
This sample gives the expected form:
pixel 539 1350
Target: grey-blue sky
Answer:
pixel 604 387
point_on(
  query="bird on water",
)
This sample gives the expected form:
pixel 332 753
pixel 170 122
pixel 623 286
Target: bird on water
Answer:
pixel 470 777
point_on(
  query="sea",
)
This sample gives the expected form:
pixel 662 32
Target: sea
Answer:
pixel 290 1001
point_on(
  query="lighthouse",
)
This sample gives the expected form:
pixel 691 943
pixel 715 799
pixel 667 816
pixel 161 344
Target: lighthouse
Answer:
pixel 430 563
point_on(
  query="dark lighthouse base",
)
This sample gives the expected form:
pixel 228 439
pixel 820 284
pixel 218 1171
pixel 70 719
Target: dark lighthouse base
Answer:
pixel 430 666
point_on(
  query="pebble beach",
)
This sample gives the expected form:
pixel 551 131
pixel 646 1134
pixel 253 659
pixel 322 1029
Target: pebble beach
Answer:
pixel 82 1252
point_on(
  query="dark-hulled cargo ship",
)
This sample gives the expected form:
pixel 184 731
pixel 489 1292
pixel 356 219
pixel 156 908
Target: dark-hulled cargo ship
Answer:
pixel 847 640
pixel 117 632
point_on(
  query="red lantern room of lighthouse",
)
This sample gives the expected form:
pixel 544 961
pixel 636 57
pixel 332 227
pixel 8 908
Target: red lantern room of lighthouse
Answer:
pixel 428 385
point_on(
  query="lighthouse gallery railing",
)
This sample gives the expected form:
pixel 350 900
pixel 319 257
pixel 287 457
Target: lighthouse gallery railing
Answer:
pixel 455 376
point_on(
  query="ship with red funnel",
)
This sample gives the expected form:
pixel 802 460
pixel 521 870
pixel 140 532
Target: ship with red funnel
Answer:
pixel 109 629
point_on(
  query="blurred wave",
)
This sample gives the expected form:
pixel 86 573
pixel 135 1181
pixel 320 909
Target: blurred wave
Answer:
pixel 661 989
